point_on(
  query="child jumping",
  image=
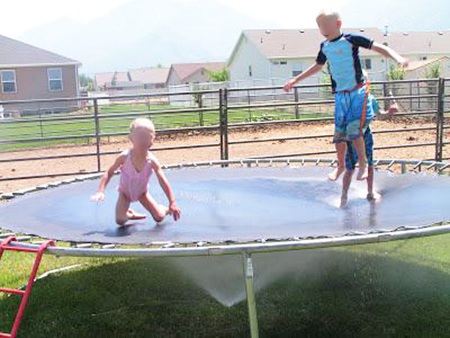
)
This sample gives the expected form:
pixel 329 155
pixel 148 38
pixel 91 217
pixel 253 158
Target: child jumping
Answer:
pixel 137 165
pixel 351 91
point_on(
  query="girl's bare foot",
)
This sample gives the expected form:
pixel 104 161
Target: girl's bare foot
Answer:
pixel 131 214
pixel 334 175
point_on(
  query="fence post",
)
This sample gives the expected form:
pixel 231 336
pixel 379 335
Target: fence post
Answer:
pixel 223 123
pixel 297 112
pixel 200 107
pixel 250 115
pixel 440 120
pixel 97 134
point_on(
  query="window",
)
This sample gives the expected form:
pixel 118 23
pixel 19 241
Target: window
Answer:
pixel 55 82
pixel 279 63
pixel 9 81
pixel 367 64
pixel 250 73
pixel 296 69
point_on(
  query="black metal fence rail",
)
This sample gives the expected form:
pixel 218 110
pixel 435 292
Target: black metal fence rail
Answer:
pixel 36 124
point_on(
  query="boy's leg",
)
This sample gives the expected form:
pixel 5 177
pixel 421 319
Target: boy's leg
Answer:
pixel 370 194
pixel 122 206
pixel 368 140
pixel 341 147
pixel 157 211
pixel 360 147
pixel 346 181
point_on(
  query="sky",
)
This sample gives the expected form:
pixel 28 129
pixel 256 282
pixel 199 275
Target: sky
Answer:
pixel 35 13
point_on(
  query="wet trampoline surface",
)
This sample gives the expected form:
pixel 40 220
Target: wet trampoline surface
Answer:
pixel 235 204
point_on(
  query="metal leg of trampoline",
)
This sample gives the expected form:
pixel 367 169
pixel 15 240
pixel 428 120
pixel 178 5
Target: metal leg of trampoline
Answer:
pixel 248 275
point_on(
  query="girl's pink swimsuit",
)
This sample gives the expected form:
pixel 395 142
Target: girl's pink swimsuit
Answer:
pixel 133 184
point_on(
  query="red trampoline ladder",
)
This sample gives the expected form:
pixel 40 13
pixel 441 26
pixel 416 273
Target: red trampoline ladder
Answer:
pixel 25 294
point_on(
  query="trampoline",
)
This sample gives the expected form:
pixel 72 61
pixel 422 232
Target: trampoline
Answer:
pixel 240 207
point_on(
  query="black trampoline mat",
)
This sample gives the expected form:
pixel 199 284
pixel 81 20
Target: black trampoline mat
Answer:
pixel 234 204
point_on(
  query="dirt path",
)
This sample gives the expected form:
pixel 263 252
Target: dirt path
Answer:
pixel 84 164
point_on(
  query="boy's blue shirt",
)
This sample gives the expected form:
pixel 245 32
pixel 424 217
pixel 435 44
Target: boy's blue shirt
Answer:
pixel 343 59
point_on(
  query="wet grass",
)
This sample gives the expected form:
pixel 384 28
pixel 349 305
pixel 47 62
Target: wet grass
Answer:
pixel 397 289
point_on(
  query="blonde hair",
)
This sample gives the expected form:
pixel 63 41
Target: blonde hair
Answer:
pixel 142 122
pixel 328 14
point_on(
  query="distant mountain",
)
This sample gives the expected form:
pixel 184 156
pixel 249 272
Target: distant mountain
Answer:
pixel 411 15
pixel 143 33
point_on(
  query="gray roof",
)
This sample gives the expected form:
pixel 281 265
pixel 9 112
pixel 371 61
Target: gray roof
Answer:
pixel 14 53
pixel 299 43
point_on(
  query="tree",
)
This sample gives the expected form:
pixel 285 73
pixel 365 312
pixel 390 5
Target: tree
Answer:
pixel 396 73
pixel 218 76
pixel 86 82
pixel 433 72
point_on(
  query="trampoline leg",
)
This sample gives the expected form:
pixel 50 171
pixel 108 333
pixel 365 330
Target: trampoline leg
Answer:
pixel 248 275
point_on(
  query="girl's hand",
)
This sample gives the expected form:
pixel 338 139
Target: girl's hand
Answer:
pixel 174 211
pixel 98 197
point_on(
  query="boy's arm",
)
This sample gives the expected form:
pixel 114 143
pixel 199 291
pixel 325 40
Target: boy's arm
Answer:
pixel 390 53
pixel 165 185
pixel 104 180
pixel 315 68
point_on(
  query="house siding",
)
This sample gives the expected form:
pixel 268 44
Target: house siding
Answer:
pixel 247 55
pixel 32 84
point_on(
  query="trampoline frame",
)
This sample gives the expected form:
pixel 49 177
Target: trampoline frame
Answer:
pixel 247 249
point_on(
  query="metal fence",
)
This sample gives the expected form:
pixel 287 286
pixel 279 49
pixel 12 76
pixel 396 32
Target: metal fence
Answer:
pixel 69 129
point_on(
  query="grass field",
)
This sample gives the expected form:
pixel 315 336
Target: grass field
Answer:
pixel 399 289
pixel 80 128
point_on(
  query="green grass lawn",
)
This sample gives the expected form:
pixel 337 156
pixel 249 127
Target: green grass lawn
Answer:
pixel 399 289
pixel 114 119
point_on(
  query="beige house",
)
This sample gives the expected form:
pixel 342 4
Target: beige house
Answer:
pixel 31 73
pixel 186 73
pixel 422 69
pixel 151 78
pixel 277 55
pixel 132 80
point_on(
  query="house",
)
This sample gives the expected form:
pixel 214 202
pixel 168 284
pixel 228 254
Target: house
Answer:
pixel 32 73
pixel 186 73
pixel 277 55
pixel 419 69
pixel 151 78
pixel 115 81
pixel 132 80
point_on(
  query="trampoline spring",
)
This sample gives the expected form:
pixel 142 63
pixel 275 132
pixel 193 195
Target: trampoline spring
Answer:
pixel 418 165
pixel 390 164
pixel 318 162
pixel 444 167
pixel 7 234
pixel 109 246
pixel 432 165
pixel 332 163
